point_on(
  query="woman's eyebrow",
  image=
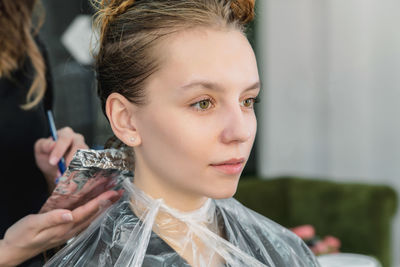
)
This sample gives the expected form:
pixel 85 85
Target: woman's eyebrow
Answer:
pixel 254 86
pixel 216 86
pixel 203 83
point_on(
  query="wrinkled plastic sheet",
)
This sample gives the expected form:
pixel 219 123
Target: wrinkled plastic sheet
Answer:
pixel 141 231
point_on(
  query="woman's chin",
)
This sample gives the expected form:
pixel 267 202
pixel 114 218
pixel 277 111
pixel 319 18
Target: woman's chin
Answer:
pixel 223 192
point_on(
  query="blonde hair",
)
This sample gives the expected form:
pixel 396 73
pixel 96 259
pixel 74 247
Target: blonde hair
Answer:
pixel 17 44
pixel 130 29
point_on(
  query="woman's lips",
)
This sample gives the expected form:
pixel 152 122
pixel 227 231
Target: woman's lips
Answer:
pixel 232 166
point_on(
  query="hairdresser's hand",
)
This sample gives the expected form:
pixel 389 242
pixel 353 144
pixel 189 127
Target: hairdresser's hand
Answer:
pixel 66 197
pixel 48 152
pixel 34 234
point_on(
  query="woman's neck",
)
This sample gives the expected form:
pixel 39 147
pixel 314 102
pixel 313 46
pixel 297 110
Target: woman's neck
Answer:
pixel 173 195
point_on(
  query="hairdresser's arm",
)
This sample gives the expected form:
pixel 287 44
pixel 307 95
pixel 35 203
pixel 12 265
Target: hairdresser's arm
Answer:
pixel 49 152
pixel 34 234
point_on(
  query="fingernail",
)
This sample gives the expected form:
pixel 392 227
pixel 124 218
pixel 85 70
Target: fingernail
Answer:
pixel 104 203
pixel 115 196
pixel 111 183
pixel 53 160
pixel 67 217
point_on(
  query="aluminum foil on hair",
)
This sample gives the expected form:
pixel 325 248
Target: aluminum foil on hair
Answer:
pixel 90 173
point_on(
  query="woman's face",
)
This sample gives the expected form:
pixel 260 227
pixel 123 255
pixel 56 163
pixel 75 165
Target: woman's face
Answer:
pixel 198 126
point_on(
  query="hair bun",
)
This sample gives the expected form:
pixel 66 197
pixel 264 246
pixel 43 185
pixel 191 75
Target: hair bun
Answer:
pixel 243 10
pixel 113 8
pixel 107 10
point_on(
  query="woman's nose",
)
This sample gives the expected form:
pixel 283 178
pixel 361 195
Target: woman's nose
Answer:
pixel 237 126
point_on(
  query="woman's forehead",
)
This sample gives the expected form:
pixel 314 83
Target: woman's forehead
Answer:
pixel 207 55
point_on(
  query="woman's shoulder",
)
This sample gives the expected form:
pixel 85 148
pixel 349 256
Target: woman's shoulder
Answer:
pixel 102 241
pixel 265 239
pixel 112 238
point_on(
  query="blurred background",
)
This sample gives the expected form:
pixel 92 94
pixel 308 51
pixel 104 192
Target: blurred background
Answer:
pixel 331 91
pixel 67 34
pixel 331 88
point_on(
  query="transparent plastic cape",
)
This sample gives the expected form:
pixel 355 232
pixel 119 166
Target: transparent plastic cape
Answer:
pixel 141 231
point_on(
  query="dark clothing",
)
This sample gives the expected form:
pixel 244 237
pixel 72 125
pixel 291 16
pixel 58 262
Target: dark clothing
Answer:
pixel 23 187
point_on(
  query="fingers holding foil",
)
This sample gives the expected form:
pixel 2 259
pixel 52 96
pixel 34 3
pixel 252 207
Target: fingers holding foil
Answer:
pixel 89 174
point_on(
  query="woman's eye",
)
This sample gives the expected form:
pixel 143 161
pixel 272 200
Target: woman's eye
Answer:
pixel 249 102
pixel 202 104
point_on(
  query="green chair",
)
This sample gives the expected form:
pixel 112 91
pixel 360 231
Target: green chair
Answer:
pixel 360 215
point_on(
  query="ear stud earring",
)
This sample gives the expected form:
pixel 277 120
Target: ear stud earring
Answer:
pixel 132 139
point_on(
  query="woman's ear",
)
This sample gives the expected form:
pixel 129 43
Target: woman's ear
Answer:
pixel 120 113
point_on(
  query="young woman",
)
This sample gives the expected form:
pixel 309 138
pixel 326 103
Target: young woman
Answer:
pixel 178 81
